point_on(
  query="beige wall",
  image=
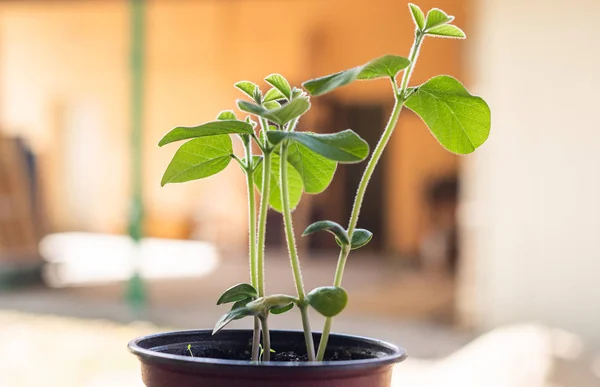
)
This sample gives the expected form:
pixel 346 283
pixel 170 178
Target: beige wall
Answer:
pixel 65 68
pixel 531 210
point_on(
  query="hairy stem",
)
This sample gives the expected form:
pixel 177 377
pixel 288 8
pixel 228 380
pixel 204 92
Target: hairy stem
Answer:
pixel 266 339
pixel 291 243
pixel 399 96
pixel 252 241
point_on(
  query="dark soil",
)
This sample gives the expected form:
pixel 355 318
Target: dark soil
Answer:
pixel 283 355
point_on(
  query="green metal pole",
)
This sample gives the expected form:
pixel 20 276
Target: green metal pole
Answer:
pixel 136 294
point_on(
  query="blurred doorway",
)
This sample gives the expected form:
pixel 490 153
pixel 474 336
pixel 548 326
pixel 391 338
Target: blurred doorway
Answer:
pixel 336 202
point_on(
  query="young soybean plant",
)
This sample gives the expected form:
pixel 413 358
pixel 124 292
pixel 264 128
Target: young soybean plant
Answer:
pixel 288 163
pixel 458 120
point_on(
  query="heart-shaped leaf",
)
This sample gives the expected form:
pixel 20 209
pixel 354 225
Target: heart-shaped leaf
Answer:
pixel 294 184
pixel 199 158
pixel 385 66
pixel 238 292
pixel 436 17
pixel 315 170
pixel 345 146
pixel 328 300
pixel 329 226
pixel 360 237
pixel 281 116
pixel 447 31
pixel 250 89
pixel 226 115
pixel 417 15
pixel 458 120
pixel 213 128
pixel 273 95
pixel 228 317
pixel 281 84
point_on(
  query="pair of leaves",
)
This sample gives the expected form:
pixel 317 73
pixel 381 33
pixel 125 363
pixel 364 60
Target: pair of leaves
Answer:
pixel 385 66
pixel 240 295
pixel 360 236
pixel 458 120
pixel 436 23
pixel 281 115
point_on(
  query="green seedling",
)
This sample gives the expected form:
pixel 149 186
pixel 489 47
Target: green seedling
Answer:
pixel 282 164
pixel 189 348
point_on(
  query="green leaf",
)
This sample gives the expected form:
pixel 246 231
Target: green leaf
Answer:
pixel 273 95
pixel 250 121
pixel 282 309
pixel 360 237
pixel 228 317
pixel 241 303
pixel 345 146
pixel 250 89
pixel 226 115
pixel 199 158
pixel 447 31
pixel 385 66
pixel 328 300
pixel 281 116
pixel 271 105
pixel 213 128
pixel 281 84
pixel 436 17
pixel 458 120
pixel 417 15
pixel 329 226
pixel 294 184
pixel 238 292
pixel 315 170
pixel 297 93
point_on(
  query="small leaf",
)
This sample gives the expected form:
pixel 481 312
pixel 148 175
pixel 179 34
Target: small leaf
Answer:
pixel 250 121
pixel 345 146
pixel 282 309
pixel 328 300
pixel 199 158
pixel 238 292
pixel 296 93
pixel 360 237
pixel 294 184
pixel 228 317
pixel 385 66
pixel 271 105
pixel 458 120
pixel 281 116
pixel 213 128
pixel 447 31
pixel 329 226
pixel 417 15
pixel 315 170
pixel 273 95
pixel 249 88
pixel 241 303
pixel 281 84
pixel 227 115
pixel 436 17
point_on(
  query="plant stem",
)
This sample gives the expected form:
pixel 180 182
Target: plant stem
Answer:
pixel 252 241
pixel 262 231
pixel 368 173
pixel 291 243
pixel 266 339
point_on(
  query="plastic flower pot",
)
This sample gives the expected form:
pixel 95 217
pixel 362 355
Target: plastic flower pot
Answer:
pixel 167 362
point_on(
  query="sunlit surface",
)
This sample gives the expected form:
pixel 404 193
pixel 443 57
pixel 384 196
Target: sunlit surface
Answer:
pixel 83 258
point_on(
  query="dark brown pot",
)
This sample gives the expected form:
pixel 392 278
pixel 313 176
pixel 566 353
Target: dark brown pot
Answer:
pixel 165 364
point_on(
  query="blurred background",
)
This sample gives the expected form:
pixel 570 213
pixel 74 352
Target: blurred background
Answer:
pixel 485 267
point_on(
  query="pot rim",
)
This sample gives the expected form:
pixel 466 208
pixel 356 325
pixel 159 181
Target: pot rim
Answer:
pixel 397 354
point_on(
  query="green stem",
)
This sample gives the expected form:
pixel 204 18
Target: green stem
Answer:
pixel 266 339
pixel 399 99
pixel 291 243
pixel 252 241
